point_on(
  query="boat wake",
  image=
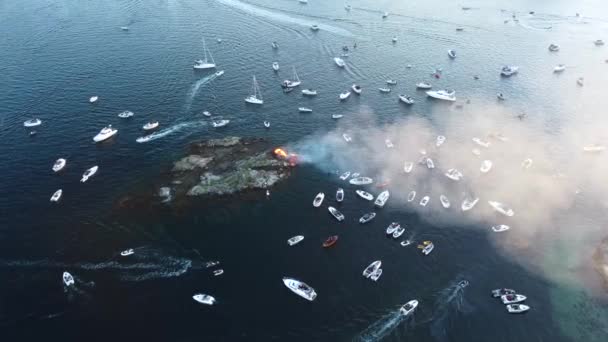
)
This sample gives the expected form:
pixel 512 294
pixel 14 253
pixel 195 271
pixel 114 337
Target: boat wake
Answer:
pixel 450 303
pixel 385 326
pixel 170 130
pixel 197 86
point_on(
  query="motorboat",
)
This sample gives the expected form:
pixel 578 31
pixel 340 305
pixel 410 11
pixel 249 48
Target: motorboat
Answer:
pixel 295 240
pixel 330 241
pixel 346 137
pixel 376 275
pixel 501 208
pixel 68 279
pixel 275 45
pixel 150 126
pixel 125 115
pixel 460 29
pixel 300 288
pixel 476 152
pixel 340 195
pixel 446 95
pixel 204 299
pixel 553 47
pixel 339 62
pixel 89 173
pixel 275 66
pixel 526 164
pixel 468 204
pixel 373 267
pixel 335 213
pixel 509 70
pixel 406 99
pixel 384 15
pixel 496 293
pixel 391 82
pixel 398 232
pixel 427 247
pixel 127 252
pixel 206 113
pixel 59 164
pixel 367 217
pixel 407 167
pixel 392 227
pixel 105 133
pixel 218 272
pixel 411 196
pixel 500 96
pixel 256 96
pixel 207 62
pixel 388 143
pixel 440 140
pixel 381 199
pixel 454 174
pixel 598 42
pixel 294 82
pixel 303 1
pixel 344 95
pixel 594 148
pixel 357 89
pixel 304 110
pixel 124 28
pixel 559 68
pixel 144 139
pixel 33 133
pixel 355 175
pixel 309 92
pixel 424 201
pixel 394 39
pixel 364 194
pixel 219 123
pixel 408 308
pixel 452 54
pixel 314 28
pixel 517 308
pixel 406 243
pixel 32 123
pixel 445 202
pixel 56 196
pixel 385 90
pixel 512 298
pixel 318 200
pixel 481 143
pixel 345 175
pixel 337 116
pixel 211 263
pixel 361 181
pixel 429 163
pixel 348 7
pixel 267 124
pixel 93 99
pixel 423 85
pixel 580 81
pixel 486 165
pixel 500 228
pixel 219 73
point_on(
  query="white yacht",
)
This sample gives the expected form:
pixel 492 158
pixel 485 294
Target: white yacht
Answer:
pixel 517 308
pixel 345 175
pixel 361 181
pixel 445 202
pixel 373 267
pixel 509 70
pixel 486 166
pixel 300 288
pixel 32 123
pixel 423 85
pixel 304 110
pixel 500 228
pixel 424 201
pixel 452 54
pixel 127 252
pixel 468 204
pixel 406 99
pixel 440 140
pixel 275 66
pixel 408 308
pixel 364 194
pixel 339 62
pixel 219 123
pixel 501 208
pixel 93 99
pixel 335 213
pixel 59 164
pixel 207 62
pixel 382 198
pixel 125 115
pixel 407 167
pixel 150 126
pixel 559 68
pixel 411 196
pixel 204 299
pixel 446 95
pixel 56 196
pixel 256 96
pixel 68 279
pixel 89 173
pixel 318 200
pixel 105 133
pixel 295 240
pixel 309 92
pixel 357 89
pixel 340 195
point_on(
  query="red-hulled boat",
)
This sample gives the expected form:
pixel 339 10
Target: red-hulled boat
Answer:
pixel 330 241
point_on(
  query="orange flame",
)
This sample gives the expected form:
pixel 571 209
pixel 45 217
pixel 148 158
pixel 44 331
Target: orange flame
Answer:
pixel 280 152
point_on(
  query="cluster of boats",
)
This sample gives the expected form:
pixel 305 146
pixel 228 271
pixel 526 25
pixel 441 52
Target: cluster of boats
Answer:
pixel 511 299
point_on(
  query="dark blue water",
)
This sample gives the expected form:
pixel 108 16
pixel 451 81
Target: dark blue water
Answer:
pixel 56 54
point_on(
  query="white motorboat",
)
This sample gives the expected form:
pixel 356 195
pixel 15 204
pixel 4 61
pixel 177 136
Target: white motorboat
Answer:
pixel 526 164
pixel 59 164
pixel 355 175
pixel 124 28
pixel 405 243
pixel 501 208
pixel 275 66
pixel 512 298
pixel 468 204
pixel 429 163
pixel 427 247
pixel 219 123
pixel 452 54
pixel 346 137
pixel 424 201
pixel 335 213
pixel 294 82
pixel 384 15
pixel 517 308
pixel 267 124
pixel 445 202
pixel 500 228
pixel 481 143
pixel 559 68
pixel 345 175
pixel 144 139
pixel 446 95
pixel 105 133
pixel 218 272
pixel 256 96
pixel 340 195
pixel 496 293
pixel 367 217
pixel 398 232
pixel 553 47
pixel 318 200
pixel 56 195
pixel 598 42
pixel 219 73
pixel 476 152
pixel 303 1
pixel 408 308
pixel 300 288
pixel 580 81
pixel 125 115
pixel 391 82
pixel 339 62
pixel 314 28
pixel 388 143
pixel 32 123
pixel 93 99
pixel 406 99
pixel 486 166
pixel 423 85
pixel 309 92
pixel 500 96
pixel 344 95
pixel 357 89
pixel 454 174
pixel 275 45
pixel 392 227
pixel 382 198
pixel 509 70
pixel 348 7
pixel 150 126
pixel 440 140
pixel 204 299
pixel 337 116
pixel 394 39
pixel 385 90
pixel 304 110
pixel 89 173
pixel 206 113
pixel 376 275
pixel 127 252
pixel 295 240
pixel 407 167
pixel 365 195
pixel 373 267
pixel 411 196
pixel 361 181
pixel 68 279
pixel 207 62
pixel 594 148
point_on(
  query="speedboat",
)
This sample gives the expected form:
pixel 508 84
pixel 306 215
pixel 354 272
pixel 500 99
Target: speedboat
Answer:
pixel 501 208
pixel 345 175
pixel 56 196
pixel 405 243
pixel 553 47
pixel 496 293
pixel 411 196
pixel 275 45
pixel 218 272
pixel 303 1
pixel 406 99
pixel 59 164
pixel 384 90
pixel 295 240
pixel 124 28
pixel 89 173
pixel 309 92
pixel 384 15
pixel 204 299
pixel 446 95
pixel 315 27
pixel 391 82
pixel 340 195
pixel 32 123
pixel 376 275
pixel 398 232
pixel 452 54
pixel 481 143
pixel 424 201
pixel 500 228
pixel 381 199
pixel 339 62
pixel 392 227
pixel 219 123
pixel 517 308
pixel 206 113
pixel 357 89
pixel 346 137
pixel 219 73
pixel 423 85
pixel 373 267
pixel 440 140
pixel 598 42
pixel 367 217
pixel 453 174
pixel 512 298
pixel 318 200
pixel 105 133
pixel 125 115
pixel 150 126
pixel 486 165
pixel 445 202
pixel 127 252
pixel 337 116
pixel 335 213
pixel 348 7
pixel 427 247
pixel 144 139
pixel 468 204
pixel 394 39
pixel 267 124
pixel 388 143
pixel 429 163
pixel 476 151
pixel 300 288
pixel 526 163
pixel 361 181
pixel 344 95
pixel 580 81
pixel 365 195
pixel 68 279
pixel 330 241
pixel 500 96
pixel 93 99
pixel 559 68
pixel 509 70
pixel 594 148
pixel 407 167
pixel 304 110
pixel 275 66
pixel 409 307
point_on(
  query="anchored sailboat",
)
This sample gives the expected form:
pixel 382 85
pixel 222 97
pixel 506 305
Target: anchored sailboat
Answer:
pixel 256 97
pixel 207 62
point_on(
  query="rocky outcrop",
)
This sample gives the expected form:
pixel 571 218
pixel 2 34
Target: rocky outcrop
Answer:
pixel 600 259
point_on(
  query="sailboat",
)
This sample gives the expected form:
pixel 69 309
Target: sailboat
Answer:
pixel 256 97
pixel 207 62
pixel 294 82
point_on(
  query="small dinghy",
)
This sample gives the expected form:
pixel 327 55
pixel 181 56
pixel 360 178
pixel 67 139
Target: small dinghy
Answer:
pixel 355 174
pixel 486 165
pixel 124 28
pixel 411 196
pixel 275 66
pixel 361 181
pixel 408 308
pixel 452 54
pixel 218 272
pixel 423 85
pixel 392 227
pixel 318 200
pixel 219 123
pixel 559 68
pixel 204 299
pixel 445 202
pixel 340 195
pixel 357 89
pixel 127 252
pixel 335 213
pixel 373 267
pixel 476 152
pixel 330 241
pixel 429 163
pixel 468 204
pixel 59 164
pixel 424 201
pixel 345 175
pixel 304 110
pixel 398 232
pixel 391 82
pixel 509 70
pixel 32 123
pixel 56 196
pixel 309 92
pixel 93 99
pixel 267 124
pixel 481 143
pixel 500 228
pixel 440 140
pixel 337 116
pixel 407 167
pixel 376 275
pixel 453 174
pixel 500 96
pixel 367 217
pixel 275 45
pixel 580 81
pixel 347 137
pixel 33 133
pixel 426 247
pixel 501 208
pixel 394 39
pixel 68 279
pixel 89 173
pixel 339 62
pixel 406 99
pixel 365 195
pixel 295 240
pixel 388 143
pixel 517 308
pixel 105 134
pixel 526 164
pixel 594 148
pixel 512 298
pixel 384 90
pixel 405 243
pixel 496 293
pixel 381 199
pixel 219 73
pixel 125 115
pixel 553 47
pixel 150 126
pixel 300 288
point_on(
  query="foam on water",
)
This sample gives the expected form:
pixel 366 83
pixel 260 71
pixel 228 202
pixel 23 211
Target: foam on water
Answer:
pixel 171 130
pixel 384 326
